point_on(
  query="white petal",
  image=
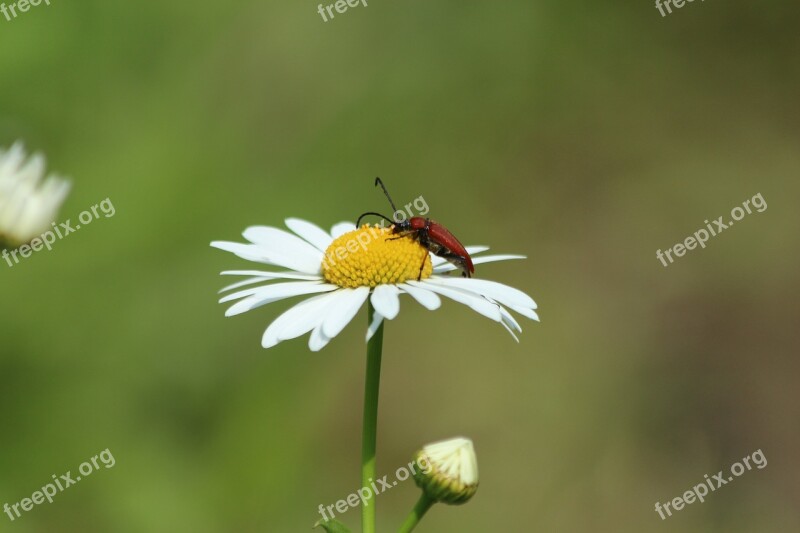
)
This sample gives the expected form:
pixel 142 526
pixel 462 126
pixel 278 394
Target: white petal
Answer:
pixel 273 293
pixel 341 228
pixel 477 303
pixel 475 249
pixel 329 307
pixel 12 158
pixel 496 291
pixel 510 331
pixel 296 321
pixel 310 232
pixel 447 267
pixel 509 319
pixel 426 298
pixel 471 250
pixel 313 317
pixel 291 288
pixel 377 320
pixel 386 301
pixel 318 340
pixel 284 249
pixel 509 322
pixel 524 311
pixel 348 302
pixel 245 251
pixel 270 275
pixel 260 276
pixel 243 283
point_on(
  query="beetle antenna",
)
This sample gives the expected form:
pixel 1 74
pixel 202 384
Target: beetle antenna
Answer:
pixel 379 182
pixel 358 222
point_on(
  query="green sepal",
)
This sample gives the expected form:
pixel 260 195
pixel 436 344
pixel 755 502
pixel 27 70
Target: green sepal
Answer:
pixel 332 526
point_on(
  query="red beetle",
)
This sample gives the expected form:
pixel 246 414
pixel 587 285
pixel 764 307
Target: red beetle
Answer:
pixel 430 234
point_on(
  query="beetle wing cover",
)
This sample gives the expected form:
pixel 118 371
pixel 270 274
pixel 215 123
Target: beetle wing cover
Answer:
pixel 440 235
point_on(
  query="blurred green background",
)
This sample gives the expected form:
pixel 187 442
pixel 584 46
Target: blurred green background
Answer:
pixel 586 136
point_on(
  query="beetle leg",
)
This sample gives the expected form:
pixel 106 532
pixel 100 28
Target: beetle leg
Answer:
pixel 403 236
pixel 422 237
pixel 419 277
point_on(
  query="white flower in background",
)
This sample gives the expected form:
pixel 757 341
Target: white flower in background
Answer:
pixel 29 202
pixel 343 268
pixel 448 470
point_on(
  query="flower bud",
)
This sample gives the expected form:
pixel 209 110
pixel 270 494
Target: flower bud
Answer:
pixel 448 470
pixel 29 202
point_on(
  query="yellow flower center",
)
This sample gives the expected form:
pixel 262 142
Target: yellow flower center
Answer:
pixel 370 256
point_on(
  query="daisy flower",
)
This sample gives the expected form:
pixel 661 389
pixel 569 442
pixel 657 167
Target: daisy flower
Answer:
pixel 340 270
pixel 29 202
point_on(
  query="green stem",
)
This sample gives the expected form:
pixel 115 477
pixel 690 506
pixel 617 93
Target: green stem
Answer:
pixel 423 504
pixel 370 425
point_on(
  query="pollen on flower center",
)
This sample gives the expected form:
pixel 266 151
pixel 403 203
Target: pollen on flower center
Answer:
pixel 370 256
